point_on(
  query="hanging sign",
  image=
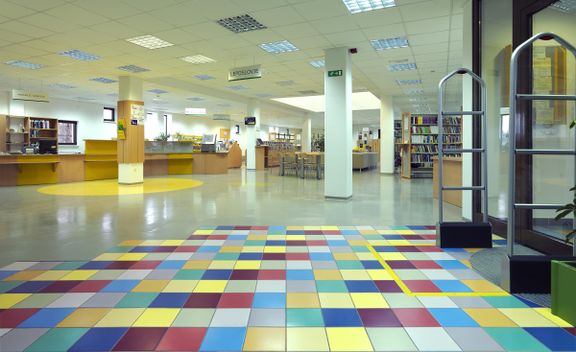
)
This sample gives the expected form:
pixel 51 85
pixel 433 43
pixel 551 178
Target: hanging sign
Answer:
pixel 244 73
pixel 335 73
pixel 29 96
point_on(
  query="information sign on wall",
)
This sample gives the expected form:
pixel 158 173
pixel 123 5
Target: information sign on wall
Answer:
pixel 335 73
pixel 29 96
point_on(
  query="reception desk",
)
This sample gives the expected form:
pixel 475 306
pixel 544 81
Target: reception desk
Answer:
pixel 364 160
pixel 40 169
pixel 210 163
pixel 452 176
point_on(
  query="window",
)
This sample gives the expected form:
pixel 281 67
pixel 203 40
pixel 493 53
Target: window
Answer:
pixel 67 132
pixel 109 115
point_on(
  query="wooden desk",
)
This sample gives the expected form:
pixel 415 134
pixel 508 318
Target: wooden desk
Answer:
pixel 452 176
pixel 40 169
pixel 210 163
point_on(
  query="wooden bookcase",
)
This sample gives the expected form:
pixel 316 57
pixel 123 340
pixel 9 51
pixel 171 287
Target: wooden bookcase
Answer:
pixel 17 135
pixel 420 142
pixel 43 128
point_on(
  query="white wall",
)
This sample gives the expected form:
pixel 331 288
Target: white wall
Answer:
pixel 88 115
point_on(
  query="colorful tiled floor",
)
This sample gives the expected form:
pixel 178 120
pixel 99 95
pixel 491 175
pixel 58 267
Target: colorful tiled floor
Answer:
pixel 271 288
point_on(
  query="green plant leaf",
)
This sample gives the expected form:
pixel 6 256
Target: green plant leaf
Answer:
pixel 570 236
pixel 573 188
pixel 572 124
pixel 562 214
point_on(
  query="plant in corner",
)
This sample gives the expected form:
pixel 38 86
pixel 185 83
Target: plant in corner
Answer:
pixel 162 137
pixel 569 208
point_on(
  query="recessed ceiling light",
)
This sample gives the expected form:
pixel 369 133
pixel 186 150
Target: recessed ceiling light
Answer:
pixel 318 63
pixel 567 6
pixel 283 46
pixel 308 92
pixel 195 111
pixel 84 98
pixel 61 86
pixel 389 43
pixel 415 92
pixel 149 42
pixel 103 80
pixel 204 77
pixel 404 82
pixel 80 55
pixel 224 117
pixel 195 99
pixel 357 6
pixel 158 91
pixel 285 83
pixel 198 59
pixel 112 94
pixel 402 67
pixel 264 95
pixel 24 64
pixel 237 87
pixel 133 68
pixel 239 24
pixel 224 105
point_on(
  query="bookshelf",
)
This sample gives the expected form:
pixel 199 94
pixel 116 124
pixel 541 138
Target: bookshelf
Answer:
pixel 420 142
pixel 17 134
pixel 282 137
pixel 43 128
pixel 397 139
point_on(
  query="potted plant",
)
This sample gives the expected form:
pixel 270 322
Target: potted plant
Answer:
pixel 564 272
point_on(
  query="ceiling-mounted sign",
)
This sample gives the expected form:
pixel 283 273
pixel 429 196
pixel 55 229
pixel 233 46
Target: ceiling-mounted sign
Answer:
pixel 244 73
pixel 335 73
pixel 29 96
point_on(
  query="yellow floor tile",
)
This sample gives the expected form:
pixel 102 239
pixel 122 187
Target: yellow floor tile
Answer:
pixel 130 243
pixel 357 242
pixel 211 286
pixel 547 313
pixel 79 275
pixel 344 256
pixel 180 286
pixel 379 274
pixel 152 243
pixel 527 317
pixel 51 275
pixel 84 318
pixel 203 232
pixel 329 228
pixel 253 249
pixel 405 232
pixel 327 275
pixel 25 275
pixel 230 249
pixel 369 232
pixel 489 317
pixel 312 228
pixel 306 339
pixel 172 243
pixel 302 300
pixel 379 243
pixel 247 265
pixel 274 249
pixel 481 286
pixel 335 300
pixel 222 264
pixel 392 256
pixel 399 242
pixel 274 237
pixel 369 300
pixel 108 257
pixel 355 275
pixel 297 228
pixel 296 238
pixel 120 317
pixel 7 300
pixel 157 317
pixel 257 237
pixel 151 286
pixel 348 339
pixel 265 339
pixel 365 256
pixel 197 264
pixel 132 256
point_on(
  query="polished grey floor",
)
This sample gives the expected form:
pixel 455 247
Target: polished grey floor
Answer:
pixel 39 227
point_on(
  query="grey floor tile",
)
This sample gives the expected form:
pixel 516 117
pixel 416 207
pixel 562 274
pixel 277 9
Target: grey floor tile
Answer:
pixel 230 317
pixel 267 317
pixel 71 300
pixel 473 339
pixel 301 286
pixel 470 302
pixel 104 300
pixel 271 286
pixel 19 339
pixel 162 274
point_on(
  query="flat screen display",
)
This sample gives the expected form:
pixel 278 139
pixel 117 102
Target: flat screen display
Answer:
pixel 250 120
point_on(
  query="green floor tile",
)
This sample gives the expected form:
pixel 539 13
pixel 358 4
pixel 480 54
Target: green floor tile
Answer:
pixel 137 300
pixel 515 339
pixel 39 300
pixel 331 286
pixel 241 286
pixel 227 256
pixel 304 317
pixel 390 339
pixel 194 318
pixel 6 286
pixel 410 274
pixel 360 249
pixel 68 266
pixel 255 243
pixel 505 302
pixel 400 300
pixel 107 275
pixel 349 264
pixel 157 256
pixel 57 340
pixel 120 249
pixel 189 275
pixel 273 265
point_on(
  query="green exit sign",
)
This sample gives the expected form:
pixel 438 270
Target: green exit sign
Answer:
pixel 335 73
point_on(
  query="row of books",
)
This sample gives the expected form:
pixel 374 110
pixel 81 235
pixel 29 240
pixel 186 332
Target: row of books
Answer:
pixel 424 148
pixel 433 120
pixel 432 139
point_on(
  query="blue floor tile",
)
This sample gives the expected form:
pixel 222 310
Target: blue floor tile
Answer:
pixel 451 286
pixel 556 339
pixel 452 317
pixel 223 339
pixel 5 274
pixel 121 286
pixel 31 287
pixel 98 339
pixel 361 286
pixel 371 264
pixel 170 300
pixel 451 264
pixel 216 274
pixel 299 275
pixel 321 256
pixel 250 256
pixel 269 300
pixel 341 317
pixel 46 318
pixel 171 264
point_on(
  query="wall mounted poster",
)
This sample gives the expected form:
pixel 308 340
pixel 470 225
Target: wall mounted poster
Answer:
pixel 137 113
pixel 121 130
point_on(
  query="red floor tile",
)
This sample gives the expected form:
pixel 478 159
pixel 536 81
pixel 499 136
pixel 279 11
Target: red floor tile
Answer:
pixel 146 264
pixel 140 339
pixel 244 275
pixel 421 286
pixel 91 286
pixel 182 339
pixel 425 264
pixel 203 300
pixel 272 275
pixel 297 256
pixel 236 300
pixel 60 286
pixel 387 286
pixel 415 317
pixel 11 318
pixel 379 318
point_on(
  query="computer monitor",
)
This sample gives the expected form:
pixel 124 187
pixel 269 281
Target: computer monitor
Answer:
pixel 47 146
pixel 259 141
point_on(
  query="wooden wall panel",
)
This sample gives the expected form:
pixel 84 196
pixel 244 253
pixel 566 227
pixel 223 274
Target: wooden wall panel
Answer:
pixel 131 149
pixel 3 129
pixel 70 168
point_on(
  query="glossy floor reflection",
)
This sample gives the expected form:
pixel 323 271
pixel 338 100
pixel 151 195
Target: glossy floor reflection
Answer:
pixel 36 226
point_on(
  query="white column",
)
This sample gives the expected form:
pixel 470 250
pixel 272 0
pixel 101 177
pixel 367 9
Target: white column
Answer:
pixel 338 124
pixel 306 138
pixel 467 106
pixel 252 132
pixel 130 89
pixel 386 135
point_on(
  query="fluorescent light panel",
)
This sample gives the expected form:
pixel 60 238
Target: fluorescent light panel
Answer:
pixel 103 80
pixel 195 111
pixel 237 88
pixel 318 63
pixel 404 82
pixel 195 99
pixel 158 91
pixel 357 6
pixel 316 103
pixel 389 43
pixel 24 64
pixel 133 68
pixel 566 6
pixel 149 42
pixel 61 86
pixel 203 77
pixel 402 67
pixel 80 55
pixel 239 24
pixel 283 46
pixel 198 59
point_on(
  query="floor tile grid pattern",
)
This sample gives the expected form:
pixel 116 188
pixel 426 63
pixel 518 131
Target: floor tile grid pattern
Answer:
pixel 271 288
